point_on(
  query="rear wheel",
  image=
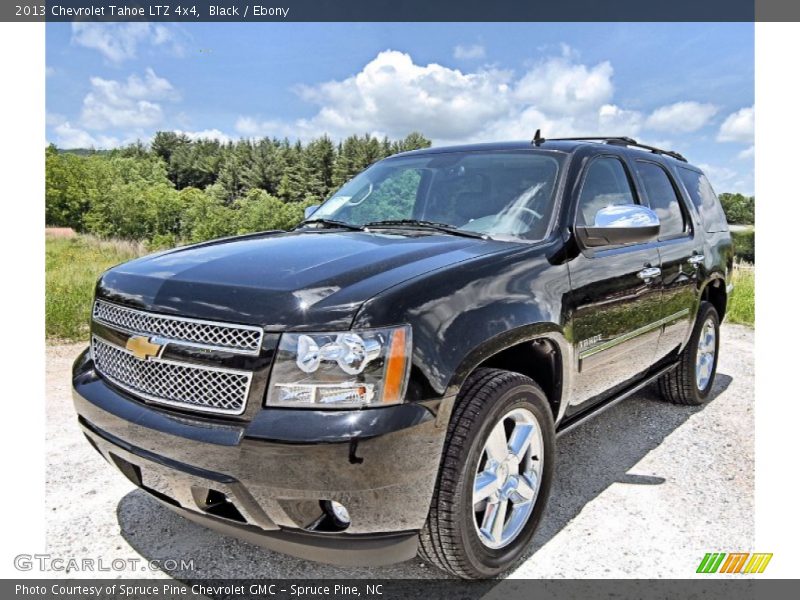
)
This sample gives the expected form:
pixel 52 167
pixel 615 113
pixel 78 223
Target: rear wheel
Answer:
pixel 691 381
pixel 495 476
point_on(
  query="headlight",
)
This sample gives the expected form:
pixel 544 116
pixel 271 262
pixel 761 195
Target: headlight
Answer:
pixel 349 369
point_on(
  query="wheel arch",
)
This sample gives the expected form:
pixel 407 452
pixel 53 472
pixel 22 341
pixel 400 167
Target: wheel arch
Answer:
pixel 716 292
pixel 539 352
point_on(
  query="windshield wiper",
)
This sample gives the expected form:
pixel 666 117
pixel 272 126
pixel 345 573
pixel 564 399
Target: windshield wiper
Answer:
pixel 332 223
pixel 443 227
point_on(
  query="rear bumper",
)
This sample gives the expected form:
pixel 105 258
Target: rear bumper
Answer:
pixel 264 480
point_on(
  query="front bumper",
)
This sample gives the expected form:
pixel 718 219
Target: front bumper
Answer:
pixel 264 480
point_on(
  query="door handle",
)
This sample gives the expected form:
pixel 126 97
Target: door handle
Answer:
pixel 648 273
pixel 696 260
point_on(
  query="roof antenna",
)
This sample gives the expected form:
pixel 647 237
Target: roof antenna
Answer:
pixel 537 138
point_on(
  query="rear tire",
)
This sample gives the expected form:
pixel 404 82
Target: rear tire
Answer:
pixel 691 381
pixel 477 539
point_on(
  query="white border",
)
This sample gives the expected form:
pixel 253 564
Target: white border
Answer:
pixel 778 215
pixel 22 353
pixel 777 330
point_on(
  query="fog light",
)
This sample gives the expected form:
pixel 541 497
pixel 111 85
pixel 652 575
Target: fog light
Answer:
pixel 339 512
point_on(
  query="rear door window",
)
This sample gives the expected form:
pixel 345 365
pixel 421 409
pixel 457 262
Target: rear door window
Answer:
pixel 663 199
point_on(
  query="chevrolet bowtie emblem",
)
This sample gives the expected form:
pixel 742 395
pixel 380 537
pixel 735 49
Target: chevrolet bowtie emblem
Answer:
pixel 142 347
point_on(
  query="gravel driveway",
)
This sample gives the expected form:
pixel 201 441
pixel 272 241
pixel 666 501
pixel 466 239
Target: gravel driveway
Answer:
pixel 642 490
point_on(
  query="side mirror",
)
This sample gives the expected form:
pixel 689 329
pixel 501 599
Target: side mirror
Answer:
pixel 310 210
pixel 620 224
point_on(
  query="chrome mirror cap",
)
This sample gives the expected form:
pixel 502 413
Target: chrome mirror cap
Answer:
pixel 618 225
pixel 626 215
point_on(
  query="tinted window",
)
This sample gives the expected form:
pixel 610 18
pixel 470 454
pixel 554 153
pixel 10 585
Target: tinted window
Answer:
pixel 704 198
pixel 606 184
pixel 663 198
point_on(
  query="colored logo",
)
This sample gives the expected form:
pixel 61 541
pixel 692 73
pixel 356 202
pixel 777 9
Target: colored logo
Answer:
pixel 142 348
pixel 734 562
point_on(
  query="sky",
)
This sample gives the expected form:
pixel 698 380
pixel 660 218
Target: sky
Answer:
pixel 683 86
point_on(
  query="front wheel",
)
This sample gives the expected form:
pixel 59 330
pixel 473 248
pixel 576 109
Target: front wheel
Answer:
pixel 495 476
pixel 691 381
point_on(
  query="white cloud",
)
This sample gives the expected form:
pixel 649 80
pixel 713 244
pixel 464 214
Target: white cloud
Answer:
pixel 472 52
pixel 252 127
pixel 561 86
pixel 52 119
pixel 717 173
pixel 725 179
pixel 747 153
pixel 738 127
pixel 206 134
pixel 522 125
pixel 49 71
pixel 118 42
pixel 68 136
pixel 126 104
pixel 613 120
pixel 392 95
pixel 682 117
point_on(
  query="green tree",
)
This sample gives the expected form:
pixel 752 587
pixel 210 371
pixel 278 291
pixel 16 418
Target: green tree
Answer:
pixel 348 161
pixel 66 195
pixel 739 209
pixel 293 186
pixel 231 174
pixel 165 143
pixel 205 217
pixel 319 157
pixel 264 169
pixel 132 199
pixel 413 141
pixel 195 164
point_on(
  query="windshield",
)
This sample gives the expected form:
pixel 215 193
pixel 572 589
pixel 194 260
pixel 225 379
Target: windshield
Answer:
pixel 501 194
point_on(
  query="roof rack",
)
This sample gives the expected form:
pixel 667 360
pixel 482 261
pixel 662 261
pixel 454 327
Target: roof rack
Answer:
pixel 618 140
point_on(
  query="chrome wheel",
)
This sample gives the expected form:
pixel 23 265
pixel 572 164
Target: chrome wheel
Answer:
pixel 706 351
pixel 507 478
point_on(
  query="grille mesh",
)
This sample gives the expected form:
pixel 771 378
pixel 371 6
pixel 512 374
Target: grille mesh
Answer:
pixel 234 338
pixel 166 382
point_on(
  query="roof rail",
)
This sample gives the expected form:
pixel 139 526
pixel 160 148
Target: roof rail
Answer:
pixel 617 140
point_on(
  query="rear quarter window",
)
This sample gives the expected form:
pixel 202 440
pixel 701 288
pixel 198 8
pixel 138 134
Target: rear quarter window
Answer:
pixel 704 199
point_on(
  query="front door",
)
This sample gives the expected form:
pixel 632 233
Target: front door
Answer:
pixel 615 295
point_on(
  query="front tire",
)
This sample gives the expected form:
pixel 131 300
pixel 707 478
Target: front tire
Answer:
pixel 691 381
pixel 495 476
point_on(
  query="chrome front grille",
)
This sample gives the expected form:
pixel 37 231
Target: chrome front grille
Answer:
pixel 184 385
pixel 240 339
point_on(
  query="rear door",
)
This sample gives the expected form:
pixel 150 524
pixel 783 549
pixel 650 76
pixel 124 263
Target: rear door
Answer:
pixel 615 294
pixel 680 251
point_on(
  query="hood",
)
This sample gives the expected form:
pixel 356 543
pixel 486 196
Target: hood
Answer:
pixel 284 280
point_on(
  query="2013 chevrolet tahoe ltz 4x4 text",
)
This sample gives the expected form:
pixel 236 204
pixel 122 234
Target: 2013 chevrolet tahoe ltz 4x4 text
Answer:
pixel 389 378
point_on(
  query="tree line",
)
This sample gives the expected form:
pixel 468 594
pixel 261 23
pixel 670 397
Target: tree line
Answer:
pixel 177 189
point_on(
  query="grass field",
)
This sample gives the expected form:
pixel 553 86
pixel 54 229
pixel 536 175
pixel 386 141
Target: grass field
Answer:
pixel 742 303
pixel 72 265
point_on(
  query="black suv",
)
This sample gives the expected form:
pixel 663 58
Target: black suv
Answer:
pixel 389 378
